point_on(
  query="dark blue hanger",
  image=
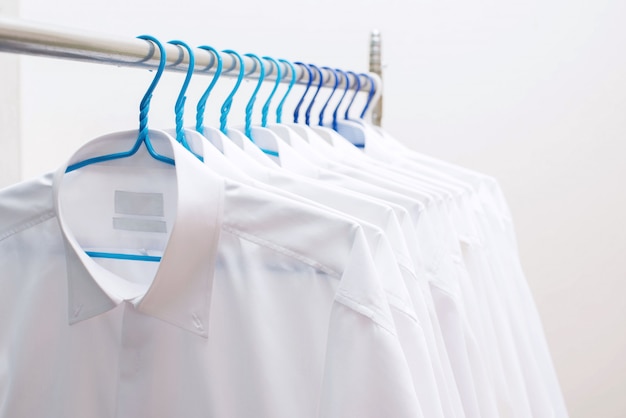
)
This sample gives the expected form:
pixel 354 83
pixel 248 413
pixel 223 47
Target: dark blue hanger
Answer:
pixel 229 100
pixel 144 107
pixel 345 76
pixel 250 105
pixel 321 117
pixel 357 88
pixel 279 108
pixel 179 108
pixel 307 114
pixel 200 108
pixel 296 112
pixel 266 106
pixel 370 95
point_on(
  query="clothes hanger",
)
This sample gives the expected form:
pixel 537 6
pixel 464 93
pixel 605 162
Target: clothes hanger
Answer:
pixel 217 137
pixel 310 133
pixel 250 105
pixel 229 100
pixel 310 141
pixel 179 107
pixel 336 111
pixel 348 129
pixel 144 107
pixel 304 130
pixel 266 106
pixel 211 156
pixel 269 141
pixel 356 91
pixel 321 130
pixel 296 112
pixel 298 128
pixel 283 130
pixel 323 110
pixel 222 138
pixel 264 145
pixel 259 138
pixel 301 136
pixel 200 108
pixel 142 138
pixel 279 108
pixel 370 95
pixel 240 136
pixel 307 114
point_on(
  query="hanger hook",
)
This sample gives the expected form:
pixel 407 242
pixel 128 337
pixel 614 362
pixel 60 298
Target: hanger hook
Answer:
pixel 357 88
pixel 250 105
pixel 200 108
pixel 370 95
pixel 296 112
pixel 279 108
pixel 345 75
pixel 229 100
pixel 179 108
pixel 144 106
pixel 266 106
pixel 321 117
pixel 307 114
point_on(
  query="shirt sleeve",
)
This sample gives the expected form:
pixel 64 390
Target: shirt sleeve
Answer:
pixel 365 371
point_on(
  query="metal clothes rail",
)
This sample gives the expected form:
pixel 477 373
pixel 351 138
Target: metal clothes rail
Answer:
pixel 22 37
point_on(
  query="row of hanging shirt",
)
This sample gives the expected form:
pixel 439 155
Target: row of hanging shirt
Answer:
pixel 277 271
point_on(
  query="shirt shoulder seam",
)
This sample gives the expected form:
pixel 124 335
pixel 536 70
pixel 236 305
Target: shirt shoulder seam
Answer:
pixel 379 318
pixel 26 224
pixel 285 251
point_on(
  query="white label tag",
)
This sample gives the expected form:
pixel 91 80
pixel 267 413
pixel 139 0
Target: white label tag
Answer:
pixel 140 204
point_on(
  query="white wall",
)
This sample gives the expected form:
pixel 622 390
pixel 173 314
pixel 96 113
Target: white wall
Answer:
pixel 10 170
pixel 531 92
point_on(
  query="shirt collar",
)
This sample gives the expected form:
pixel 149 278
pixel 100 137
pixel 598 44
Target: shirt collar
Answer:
pixel 180 293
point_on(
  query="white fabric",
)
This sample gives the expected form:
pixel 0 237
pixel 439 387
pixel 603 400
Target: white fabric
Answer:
pixel 521 347
pixel 260 306
pixel 323 281
pixel 393 261
pixel 445 379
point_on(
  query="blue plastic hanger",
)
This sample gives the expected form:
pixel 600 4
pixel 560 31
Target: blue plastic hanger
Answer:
pixel 356 91
pixel 321 116
pixel 200 108
pixel 143 137
pixel 370 95
pixel 266 106
pixel 279 108
pixel 179 107
pixel 250 105
pixel 296 112
pixel 229 100
pixel 345 76
pixel 307 114
pixel 350 130
pixel 144 107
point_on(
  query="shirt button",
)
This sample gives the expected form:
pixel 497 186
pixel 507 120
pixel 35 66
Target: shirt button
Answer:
pixel 197 322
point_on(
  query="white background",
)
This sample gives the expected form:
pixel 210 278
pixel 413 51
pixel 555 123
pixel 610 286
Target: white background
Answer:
pixel 531 92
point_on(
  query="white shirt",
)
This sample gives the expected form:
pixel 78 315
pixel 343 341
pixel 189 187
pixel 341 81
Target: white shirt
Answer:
pixel 516 313
pixel 446 380
pixel 259 306
pixel 392 261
